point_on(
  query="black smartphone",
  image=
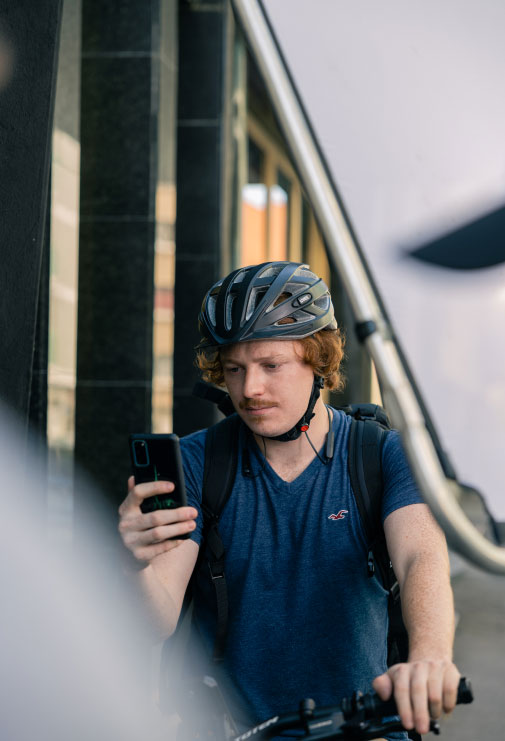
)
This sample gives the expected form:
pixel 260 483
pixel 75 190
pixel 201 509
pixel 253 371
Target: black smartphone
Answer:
pixel 158 458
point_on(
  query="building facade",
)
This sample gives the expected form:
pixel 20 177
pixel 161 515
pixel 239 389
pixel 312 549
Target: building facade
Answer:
pixel 167 169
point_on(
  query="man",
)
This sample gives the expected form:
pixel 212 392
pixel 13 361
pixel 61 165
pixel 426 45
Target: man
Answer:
pixel 305 618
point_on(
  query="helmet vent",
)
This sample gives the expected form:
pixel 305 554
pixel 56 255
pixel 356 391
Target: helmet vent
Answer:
pixel 239 277
pixel 322 302
pixel 254 299
pixel 297 317
pixel 304 273
pixel 272 271
pixel 211 309
pixel 302 316
pixel 229 311
pixel 296 287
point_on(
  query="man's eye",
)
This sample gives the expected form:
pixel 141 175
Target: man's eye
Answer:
pixel 272 366
pixel 232 369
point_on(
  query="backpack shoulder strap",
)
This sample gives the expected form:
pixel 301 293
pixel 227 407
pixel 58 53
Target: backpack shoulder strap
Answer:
pixel 369 427
pixel 220 467
pixel 220 463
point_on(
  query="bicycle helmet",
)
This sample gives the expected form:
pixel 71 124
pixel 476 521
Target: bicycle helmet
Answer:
pixel 241 307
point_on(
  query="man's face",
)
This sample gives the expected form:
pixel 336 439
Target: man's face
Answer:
pixel 268 382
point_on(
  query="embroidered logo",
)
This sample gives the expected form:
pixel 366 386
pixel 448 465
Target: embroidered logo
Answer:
pixel 340 515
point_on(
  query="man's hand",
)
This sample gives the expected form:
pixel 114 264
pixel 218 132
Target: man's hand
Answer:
pixel 421 689
pixel 148 535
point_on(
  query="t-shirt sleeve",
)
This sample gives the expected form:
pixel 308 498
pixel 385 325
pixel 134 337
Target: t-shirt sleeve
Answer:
pixel 193 455
pixel 400 488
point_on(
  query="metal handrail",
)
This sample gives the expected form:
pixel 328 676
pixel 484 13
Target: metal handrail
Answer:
pixel 439 492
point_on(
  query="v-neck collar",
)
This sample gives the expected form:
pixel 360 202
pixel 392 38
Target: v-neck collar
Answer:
pixel 261 464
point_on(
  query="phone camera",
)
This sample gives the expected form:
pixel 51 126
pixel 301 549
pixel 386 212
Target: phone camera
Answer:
pixel 140 452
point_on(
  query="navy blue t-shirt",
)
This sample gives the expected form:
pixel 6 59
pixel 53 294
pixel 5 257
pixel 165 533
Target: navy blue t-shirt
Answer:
pixel 305 619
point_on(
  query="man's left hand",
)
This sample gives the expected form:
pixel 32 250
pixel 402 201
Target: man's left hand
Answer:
pixel 421 689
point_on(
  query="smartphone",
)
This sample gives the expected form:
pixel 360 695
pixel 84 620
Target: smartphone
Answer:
pixel 158 458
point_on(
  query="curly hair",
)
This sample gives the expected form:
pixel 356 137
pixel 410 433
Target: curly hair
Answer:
pixel 323 351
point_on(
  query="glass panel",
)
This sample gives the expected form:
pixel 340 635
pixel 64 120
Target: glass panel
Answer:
pixel 64 253
pixel 278 223
pixel 163 320
pixel 62 331
pixel 256 163
pixel 254 223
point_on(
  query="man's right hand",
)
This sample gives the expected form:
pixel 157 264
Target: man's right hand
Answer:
pixel 148 535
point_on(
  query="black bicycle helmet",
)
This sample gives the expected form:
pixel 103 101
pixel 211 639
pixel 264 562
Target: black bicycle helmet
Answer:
pixel 241 307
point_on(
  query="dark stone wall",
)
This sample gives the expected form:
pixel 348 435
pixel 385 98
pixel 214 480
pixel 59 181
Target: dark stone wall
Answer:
pixel 29 35
pixel 123 59
pixel 202 146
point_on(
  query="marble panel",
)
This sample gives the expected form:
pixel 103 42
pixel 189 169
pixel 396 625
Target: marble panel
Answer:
pixel 115 302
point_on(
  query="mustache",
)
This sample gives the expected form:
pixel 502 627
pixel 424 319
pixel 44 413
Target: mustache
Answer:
pixel 254 404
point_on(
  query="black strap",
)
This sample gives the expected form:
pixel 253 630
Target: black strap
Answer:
pixel 221 454
pixel 216 395
pixel 369 427
pixel 366 440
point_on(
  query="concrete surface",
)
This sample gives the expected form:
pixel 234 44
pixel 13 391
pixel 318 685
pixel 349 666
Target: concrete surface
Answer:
pixel 479 655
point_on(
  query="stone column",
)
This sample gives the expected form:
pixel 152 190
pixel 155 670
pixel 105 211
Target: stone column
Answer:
pixel 203 181
pixel 28 64
pixel 124 65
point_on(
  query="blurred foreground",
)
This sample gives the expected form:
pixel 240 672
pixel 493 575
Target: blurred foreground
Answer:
pixel 75 646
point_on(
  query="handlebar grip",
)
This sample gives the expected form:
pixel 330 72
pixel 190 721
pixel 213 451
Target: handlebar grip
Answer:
pixel 374 707
pixel 465 692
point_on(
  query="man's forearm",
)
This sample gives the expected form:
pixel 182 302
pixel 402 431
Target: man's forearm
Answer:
pixel 160 606
pixel 428 607
pixel 427 684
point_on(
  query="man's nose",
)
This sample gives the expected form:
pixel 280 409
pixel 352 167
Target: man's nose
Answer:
pixel 253 383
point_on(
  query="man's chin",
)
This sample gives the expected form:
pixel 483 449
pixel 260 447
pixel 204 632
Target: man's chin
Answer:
pixel 263 426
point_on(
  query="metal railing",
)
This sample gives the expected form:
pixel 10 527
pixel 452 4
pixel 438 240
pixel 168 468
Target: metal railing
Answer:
pixel 399 397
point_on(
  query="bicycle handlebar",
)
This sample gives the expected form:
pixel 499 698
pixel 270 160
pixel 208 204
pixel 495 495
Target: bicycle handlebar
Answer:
pixel 359 717
pixel 374 707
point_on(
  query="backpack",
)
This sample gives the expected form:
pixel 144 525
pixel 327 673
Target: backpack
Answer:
pixel 368 431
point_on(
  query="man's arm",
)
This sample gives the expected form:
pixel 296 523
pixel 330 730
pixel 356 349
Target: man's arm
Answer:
pixel 418 552
pixel 160 562
pixel 163 583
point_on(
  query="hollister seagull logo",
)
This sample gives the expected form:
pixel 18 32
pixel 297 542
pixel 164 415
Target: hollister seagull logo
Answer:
pixel 340 515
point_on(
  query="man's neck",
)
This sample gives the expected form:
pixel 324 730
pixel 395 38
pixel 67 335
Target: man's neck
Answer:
pixel 280 454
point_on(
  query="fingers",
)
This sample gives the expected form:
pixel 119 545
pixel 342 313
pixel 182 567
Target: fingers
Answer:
pixel 137 521
pixel 145 554
pixel 435 692
pixel 383 685
pixel 148 535
pixel 400 674
pixel 137 493
pixel 422 690
pixel 145 542
pixel 450 689
pixel 142 491
pixel 160 533
pixel 419 695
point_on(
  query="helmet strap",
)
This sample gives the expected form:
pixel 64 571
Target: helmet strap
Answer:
pixel 303 424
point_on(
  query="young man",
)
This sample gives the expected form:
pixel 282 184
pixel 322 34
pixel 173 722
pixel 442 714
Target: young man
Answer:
pixel 305 618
